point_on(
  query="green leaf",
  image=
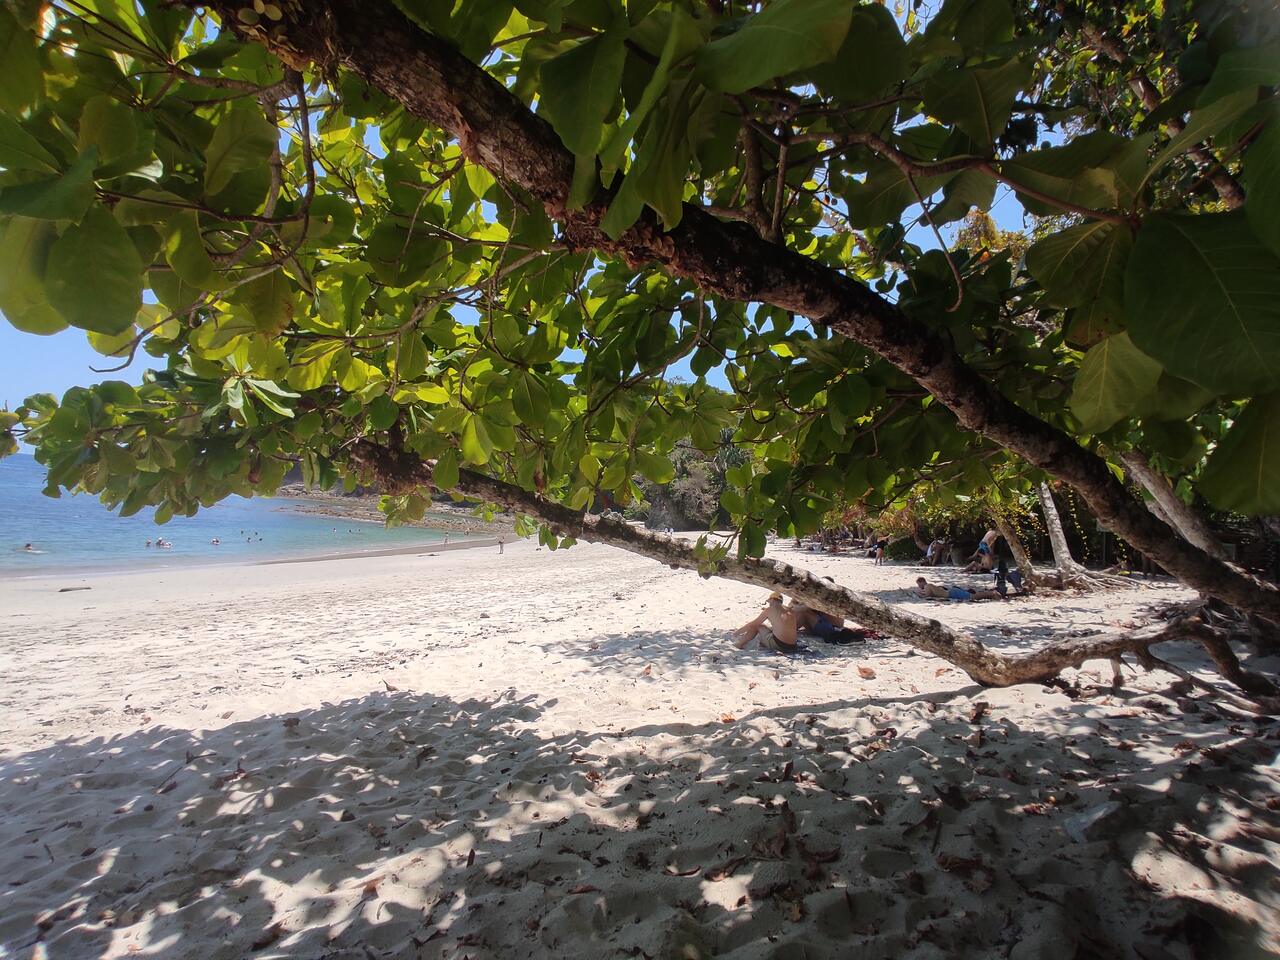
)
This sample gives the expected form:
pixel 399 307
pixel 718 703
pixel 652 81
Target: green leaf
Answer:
pixel 579 89
pixel 445 473
pixel 624 209
pixel 271 396
pixel 585 182
pixel 313 364
pixel 851 397
pixel 60 198
pixel 398 257
pixel 24 254
pixel 1202 296
pixel 1076 172
pixel 477 447
pixel 531 400
pixel 1249 68
pixel 1262 186
pixel 655 468
pixel 978 100
pixel 1174 399
pixel 382 413
pixel 969 189
pixel 1083 264
pixel 411 355
pixel 95 276
pixel 974 24
pixel 1243 474
pixel 243 139
pixel 884 194
pixel 1113 380
pixel 787 36
pixel 662 161
pixel 19 150
pixel 21 78
pixel 752 542
pixel 185 251
pixel 872 58
pixel 111 126
pixel 266 303
pixel 112 345
pixel 682 39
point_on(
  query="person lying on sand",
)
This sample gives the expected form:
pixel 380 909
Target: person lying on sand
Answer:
pixel 785 623
pixel 934 591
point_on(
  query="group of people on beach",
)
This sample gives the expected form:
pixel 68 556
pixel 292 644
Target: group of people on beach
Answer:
pixel 779 625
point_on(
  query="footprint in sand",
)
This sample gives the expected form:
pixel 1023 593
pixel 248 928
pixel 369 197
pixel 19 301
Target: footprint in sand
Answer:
pixel 883 862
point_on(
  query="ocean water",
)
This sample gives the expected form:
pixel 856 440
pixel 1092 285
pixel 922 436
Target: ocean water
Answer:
pixel 77 533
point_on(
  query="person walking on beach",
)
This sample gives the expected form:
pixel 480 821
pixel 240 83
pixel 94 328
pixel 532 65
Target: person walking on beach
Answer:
pixel 502 542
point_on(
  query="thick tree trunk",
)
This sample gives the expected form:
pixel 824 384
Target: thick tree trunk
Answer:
pixel 1019 551
pixel 400 472
pixel 435 83
pixel 1062 558
pixel 1171 506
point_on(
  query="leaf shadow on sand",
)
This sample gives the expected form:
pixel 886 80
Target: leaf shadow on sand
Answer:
pixel 408 825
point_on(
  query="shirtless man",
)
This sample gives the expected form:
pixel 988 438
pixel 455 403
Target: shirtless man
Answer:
pixel 984 558
pixel 784 624
pixel 934 591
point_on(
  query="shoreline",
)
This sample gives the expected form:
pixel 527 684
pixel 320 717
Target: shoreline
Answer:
pixel 407 551
pixel 232 563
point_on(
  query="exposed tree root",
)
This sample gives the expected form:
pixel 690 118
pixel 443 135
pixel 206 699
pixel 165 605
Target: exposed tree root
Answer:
pixel 1224 658
pixel 400 471
pixel 1263 705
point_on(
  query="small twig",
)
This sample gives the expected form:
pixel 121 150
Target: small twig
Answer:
pixel 779 191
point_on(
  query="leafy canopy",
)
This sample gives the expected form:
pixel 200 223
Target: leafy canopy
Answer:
pixel 307 264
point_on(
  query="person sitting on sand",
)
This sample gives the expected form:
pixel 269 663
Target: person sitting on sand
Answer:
pixel 984 558
pixel 934 591
pixel 786 622
pixel 933 553
pixel 779 635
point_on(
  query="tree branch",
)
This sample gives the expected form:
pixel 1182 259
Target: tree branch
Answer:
pixel 1228 188
pixel 436 83
pixel 399 472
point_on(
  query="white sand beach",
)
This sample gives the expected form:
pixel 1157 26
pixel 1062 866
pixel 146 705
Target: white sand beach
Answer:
pixel 542 754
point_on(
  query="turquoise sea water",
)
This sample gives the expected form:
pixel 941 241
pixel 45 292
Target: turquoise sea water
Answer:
pixel 78 533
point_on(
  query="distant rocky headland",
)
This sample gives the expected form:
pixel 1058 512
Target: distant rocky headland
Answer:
pixel 363 506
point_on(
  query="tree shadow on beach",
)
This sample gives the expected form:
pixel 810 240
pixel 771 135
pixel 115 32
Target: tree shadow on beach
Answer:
pixel 406 825
pixel 688 650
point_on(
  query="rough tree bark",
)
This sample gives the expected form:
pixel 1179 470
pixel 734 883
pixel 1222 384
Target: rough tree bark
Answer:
pixel 398 471
pixel 435 83
pixel 1172 508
